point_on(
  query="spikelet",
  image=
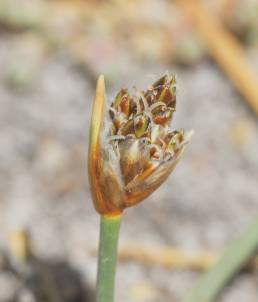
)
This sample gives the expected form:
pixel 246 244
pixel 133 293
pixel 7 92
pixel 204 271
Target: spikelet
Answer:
pixel 136 150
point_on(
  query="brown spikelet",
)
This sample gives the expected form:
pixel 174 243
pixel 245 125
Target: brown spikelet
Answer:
pixel 138 150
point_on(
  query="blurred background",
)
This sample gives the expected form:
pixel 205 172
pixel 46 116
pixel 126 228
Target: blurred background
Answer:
pixel 51 53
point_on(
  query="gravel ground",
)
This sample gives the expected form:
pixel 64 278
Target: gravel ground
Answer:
pixel 206 202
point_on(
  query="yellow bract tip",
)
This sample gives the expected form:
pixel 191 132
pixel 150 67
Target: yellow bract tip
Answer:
pixel 98 112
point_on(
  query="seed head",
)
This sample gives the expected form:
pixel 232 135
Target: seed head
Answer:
pixel 134 150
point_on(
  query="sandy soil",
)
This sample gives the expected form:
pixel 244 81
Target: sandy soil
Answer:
pixel 205 203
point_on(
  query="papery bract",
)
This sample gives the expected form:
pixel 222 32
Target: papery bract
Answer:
pixel 134 150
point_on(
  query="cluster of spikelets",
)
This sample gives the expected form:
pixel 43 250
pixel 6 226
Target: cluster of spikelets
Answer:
pixel 137 148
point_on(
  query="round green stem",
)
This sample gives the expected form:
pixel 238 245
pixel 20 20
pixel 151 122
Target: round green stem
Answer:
pixel 107 257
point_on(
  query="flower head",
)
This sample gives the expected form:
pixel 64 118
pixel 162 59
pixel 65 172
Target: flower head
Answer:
pixel 134 150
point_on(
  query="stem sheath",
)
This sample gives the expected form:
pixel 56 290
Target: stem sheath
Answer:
pixel 107 257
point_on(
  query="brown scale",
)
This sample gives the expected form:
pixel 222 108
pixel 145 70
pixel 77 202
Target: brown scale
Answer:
pixel 176 139
pixel 161 115
pixel 167 138
pixel 118 122
pixel 150 96
pixel 172 102
pixel 141 125
pixel 124 105
pixel 154 153
pixel 127 128
pixel 179 136
pixel 166 91
pixel 122 93
pixel 160 82
pixel 112 130
pixel 159 86
pixel 112 113
pixel 133 107
pixel 161 143
pixel 140 107
pixel 168 97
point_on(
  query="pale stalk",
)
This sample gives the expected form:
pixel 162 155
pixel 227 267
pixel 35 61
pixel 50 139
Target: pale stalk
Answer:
pixel 107 257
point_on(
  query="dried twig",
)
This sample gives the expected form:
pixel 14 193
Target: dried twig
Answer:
pixel 224 48
pixel 170 257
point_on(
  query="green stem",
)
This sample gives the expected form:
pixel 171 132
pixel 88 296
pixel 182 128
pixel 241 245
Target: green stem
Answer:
pixel 109 233
pixel 231 262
